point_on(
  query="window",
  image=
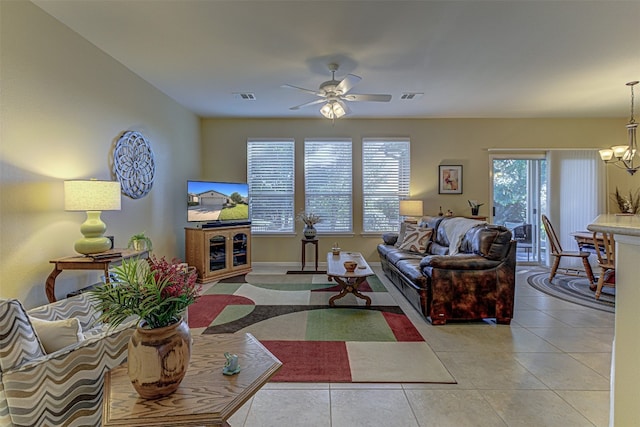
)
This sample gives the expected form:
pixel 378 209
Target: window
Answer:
pixel 385 181
pixel 327 183
pixel 271 178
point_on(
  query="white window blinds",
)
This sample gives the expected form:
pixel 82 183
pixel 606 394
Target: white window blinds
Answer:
pixel 271 178
pixel 577 194
pixel 385 181
pixel 327 183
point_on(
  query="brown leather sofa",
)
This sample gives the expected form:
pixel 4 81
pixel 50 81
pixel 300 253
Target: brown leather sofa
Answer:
pixel 478 282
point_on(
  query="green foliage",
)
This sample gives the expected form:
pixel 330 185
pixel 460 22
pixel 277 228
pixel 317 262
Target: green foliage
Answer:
pixel 239 211
pixel 156 292
pixel 236 198
pixel 510 190
pixel 629 204
pixel 140 237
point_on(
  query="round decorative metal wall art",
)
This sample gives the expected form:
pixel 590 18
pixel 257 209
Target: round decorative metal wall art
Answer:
pixel 134 165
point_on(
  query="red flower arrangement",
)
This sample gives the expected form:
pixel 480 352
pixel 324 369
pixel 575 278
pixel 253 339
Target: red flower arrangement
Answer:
pixel 157 291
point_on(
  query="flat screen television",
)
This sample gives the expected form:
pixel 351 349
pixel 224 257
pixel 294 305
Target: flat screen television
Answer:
pixel 218 203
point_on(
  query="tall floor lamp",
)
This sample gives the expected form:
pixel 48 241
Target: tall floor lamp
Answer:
pixel 92 196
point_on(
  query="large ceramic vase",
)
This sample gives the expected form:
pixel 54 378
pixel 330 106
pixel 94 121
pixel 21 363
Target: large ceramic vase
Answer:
pixel 158 359
pixel 309 232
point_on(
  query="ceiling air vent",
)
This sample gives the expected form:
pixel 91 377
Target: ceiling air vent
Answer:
pixel 411 95
pixel 245 96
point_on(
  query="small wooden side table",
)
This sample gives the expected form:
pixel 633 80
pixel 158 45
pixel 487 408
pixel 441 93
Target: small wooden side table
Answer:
pixel 205 397
pixel 304 244
pixel 101 261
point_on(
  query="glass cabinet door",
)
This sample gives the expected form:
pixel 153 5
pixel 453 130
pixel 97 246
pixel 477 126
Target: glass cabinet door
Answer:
pixel 217 252
pixel 240 249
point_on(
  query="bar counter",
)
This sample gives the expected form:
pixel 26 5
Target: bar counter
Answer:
pixel 625 368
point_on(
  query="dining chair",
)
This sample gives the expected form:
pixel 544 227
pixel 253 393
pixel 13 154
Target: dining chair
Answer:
pixel 557 252
pixel 522 235
pixel 606 259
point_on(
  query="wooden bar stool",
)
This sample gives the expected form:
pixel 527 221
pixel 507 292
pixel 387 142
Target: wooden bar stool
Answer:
pixel 606 259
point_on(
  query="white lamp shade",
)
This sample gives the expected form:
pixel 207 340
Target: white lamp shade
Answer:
pixel 411 208
pixel 92 195
pixel 333 109
pixel 606 154
pixel 619 150
pixel 327 111
pixel 338 109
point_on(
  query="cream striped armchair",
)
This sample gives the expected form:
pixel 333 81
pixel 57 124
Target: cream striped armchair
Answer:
pixel 42 384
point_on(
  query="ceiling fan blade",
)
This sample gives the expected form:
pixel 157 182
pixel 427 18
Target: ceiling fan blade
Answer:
pixel 367 97
pixel 347 83
pixel 313 92
pixel 306 104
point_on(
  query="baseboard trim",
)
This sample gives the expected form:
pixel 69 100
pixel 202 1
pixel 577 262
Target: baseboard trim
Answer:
pixel 307 272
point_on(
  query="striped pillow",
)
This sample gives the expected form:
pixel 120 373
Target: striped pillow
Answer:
pixel 18 341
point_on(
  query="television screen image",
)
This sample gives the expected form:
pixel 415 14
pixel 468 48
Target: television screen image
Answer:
pixel 218 202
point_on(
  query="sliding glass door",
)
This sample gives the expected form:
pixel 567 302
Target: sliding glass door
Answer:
pixel 519 197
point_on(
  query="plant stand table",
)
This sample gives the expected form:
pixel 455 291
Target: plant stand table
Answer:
pixel 100 261
pixel 349 281
pixel 205 397
pixel 304 243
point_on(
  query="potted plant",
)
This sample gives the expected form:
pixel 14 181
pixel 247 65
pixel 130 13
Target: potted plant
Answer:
pixel 628 205
pixel 157 292
pixel 475 207
pixel 140 242
pixel 309 219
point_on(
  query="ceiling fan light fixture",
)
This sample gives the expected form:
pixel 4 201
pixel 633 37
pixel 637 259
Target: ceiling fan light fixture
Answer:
pixel 333 110
pixel 334 93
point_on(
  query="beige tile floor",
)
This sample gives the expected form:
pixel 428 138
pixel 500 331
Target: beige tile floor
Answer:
pixel 550 367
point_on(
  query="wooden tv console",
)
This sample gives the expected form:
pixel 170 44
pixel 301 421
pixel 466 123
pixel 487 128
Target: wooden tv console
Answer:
pixel 218 252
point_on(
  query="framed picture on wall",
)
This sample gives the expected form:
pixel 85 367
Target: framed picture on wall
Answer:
pixel 450 179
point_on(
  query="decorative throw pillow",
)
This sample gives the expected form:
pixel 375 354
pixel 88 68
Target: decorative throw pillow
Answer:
pixel 416 239
pixel 57 334
pixel 18 341
pixel 401 233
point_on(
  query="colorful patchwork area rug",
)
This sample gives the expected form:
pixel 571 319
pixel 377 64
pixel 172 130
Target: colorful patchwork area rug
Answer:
pixel 350 342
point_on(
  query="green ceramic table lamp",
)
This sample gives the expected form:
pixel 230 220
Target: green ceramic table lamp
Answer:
pixel 92 196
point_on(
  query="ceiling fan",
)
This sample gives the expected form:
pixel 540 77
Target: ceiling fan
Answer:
pixel 334 93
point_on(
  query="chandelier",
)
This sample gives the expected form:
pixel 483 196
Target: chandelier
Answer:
pixel 623 156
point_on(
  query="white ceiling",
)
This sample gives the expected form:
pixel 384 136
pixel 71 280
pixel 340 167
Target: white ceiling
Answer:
pixel 473 58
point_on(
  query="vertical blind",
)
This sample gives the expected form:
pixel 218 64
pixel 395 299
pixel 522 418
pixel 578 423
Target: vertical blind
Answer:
pixel 385 181
pixel 328 183
pixel 577 194
pixel 271 178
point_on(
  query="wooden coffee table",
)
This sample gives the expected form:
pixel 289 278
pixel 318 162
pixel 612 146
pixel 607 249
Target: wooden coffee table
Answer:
pixel 205 397
pixel 349 281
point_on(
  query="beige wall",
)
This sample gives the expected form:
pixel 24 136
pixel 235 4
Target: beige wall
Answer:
pixel 64 104
pixel 433 142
